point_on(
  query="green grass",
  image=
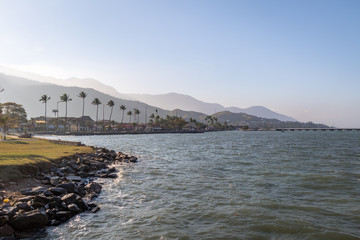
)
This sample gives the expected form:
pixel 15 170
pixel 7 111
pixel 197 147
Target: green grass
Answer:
pixel 17 154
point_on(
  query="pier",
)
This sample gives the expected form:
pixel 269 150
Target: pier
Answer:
pixel 317 129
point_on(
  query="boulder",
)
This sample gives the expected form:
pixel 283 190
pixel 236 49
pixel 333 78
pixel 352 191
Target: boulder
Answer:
pixel 73 178
pixel 10 211
pixel 74 208
pixel 55 222
pixel 81 204
pixel 6 230
pixel 50 213
pixel 70 187
pixel 64 215
pixel 47 193
pixel 69 198
pixel 36 205
pixel 8 238
pixel 33 191
pixel 42 199
pixel 54 181
pixel 133 159
pixel 95 209
pixel 93 187
pixel 68 169
pixel 51 205
pixel 29 220
pixel 25 199
pixel 4 220
pixel 58 191
pixel 23 206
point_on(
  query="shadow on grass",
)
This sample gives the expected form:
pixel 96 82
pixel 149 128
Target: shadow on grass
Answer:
pixel 8 173
pixel 14 142
pixel 22 159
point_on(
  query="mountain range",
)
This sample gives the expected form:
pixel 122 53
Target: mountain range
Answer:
pixel 28 92
pixel 169 101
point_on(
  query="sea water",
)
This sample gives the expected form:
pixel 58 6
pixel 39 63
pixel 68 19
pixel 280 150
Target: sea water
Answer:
pixel 227 185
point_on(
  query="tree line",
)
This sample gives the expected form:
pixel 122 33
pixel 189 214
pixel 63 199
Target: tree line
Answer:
pixel 12 114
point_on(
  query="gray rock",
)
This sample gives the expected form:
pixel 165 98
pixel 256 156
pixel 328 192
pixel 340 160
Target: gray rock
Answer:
pixel 47 193
pixel 6 230
pixel 112 175
pixel 133 159
pixel 42 199
pixel 64 215
pixel 54 181
pixel 55 222
pixel 50 213
pixel 37 205
pixel 59 173
pixel 70 187
pixel 81 204
pixel 73 178
pixel 33 191
pixel 95 209
pixel 69 198
pixel 74 208
pixel 92 204
pixel 93 187
pixel 23 206
pixel 8 238
pixel 29 220
pixel 51 205
pixel 67 169
pixel 58 191
pixel 10 211
pixel 4 220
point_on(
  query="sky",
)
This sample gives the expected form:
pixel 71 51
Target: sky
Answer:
pixel 298 58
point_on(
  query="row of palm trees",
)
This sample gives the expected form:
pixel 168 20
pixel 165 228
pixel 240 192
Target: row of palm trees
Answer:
pixel 66 98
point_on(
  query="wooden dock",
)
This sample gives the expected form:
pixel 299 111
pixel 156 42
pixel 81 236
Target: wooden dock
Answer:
pixel 317 129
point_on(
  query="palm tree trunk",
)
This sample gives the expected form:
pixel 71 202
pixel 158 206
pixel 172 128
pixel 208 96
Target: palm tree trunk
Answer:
pixel 45 117
pixel 97 113
pixel 111 114
pixel 122 119
pixel 65 116
pixel 110 117
pixel 83 107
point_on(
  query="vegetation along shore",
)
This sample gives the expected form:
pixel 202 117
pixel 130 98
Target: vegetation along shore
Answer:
pixel 44 183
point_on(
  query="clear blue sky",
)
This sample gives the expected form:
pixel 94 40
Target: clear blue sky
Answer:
pixel 299 58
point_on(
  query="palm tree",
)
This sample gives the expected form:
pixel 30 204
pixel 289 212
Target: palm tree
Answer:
pixel 122 108
pixel 83 95
pixel 111 105
pixel 65 98
pixel 96 102
pixel 44 99
pixel 55 111
pixel 129 113
pixel 136 113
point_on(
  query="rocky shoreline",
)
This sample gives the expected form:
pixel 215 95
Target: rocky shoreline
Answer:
pixel 66 190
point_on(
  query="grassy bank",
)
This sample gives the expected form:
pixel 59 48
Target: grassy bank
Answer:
pixel 19 155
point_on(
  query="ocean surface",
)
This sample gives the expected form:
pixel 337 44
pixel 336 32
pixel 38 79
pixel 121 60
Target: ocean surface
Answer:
pixel 227 185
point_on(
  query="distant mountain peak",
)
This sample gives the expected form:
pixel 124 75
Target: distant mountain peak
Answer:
pixel 175 100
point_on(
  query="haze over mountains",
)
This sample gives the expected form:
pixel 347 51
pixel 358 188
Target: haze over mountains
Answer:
pixel 169 101
pixel 28 92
